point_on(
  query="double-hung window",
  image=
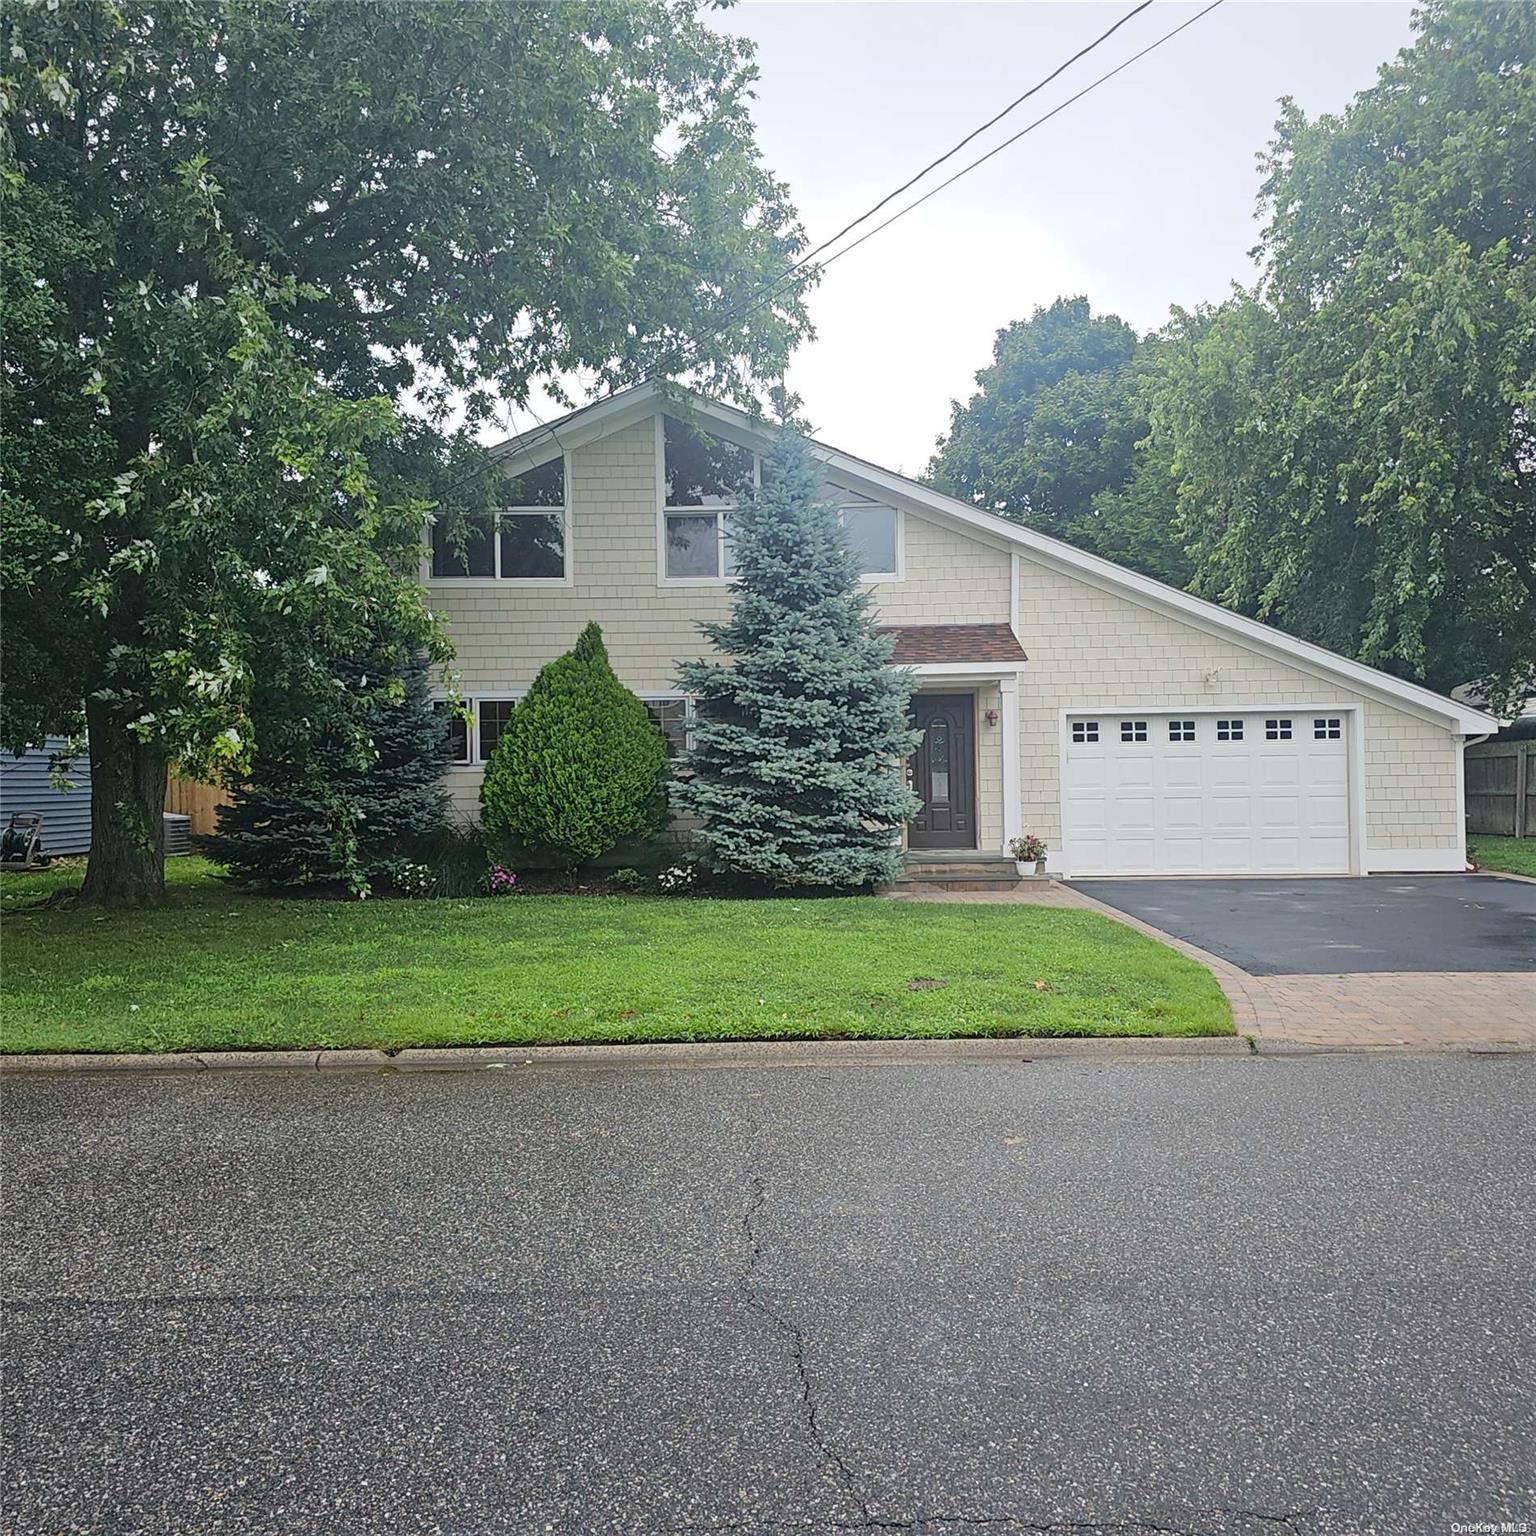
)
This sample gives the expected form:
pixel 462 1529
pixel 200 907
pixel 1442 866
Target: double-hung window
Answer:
pixel 703 476
pixel 524 540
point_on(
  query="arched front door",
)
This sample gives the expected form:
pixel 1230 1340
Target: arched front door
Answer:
pixel 944 771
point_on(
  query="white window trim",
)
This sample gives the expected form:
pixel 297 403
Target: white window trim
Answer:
pixel 498 581
pixel 877 578
pixel 690 705
pixel 873 578
pixel 719 514
pixel 472 702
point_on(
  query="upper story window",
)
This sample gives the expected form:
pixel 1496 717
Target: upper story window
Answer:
pixel 702 477
pixel 525 540
pixel 871 530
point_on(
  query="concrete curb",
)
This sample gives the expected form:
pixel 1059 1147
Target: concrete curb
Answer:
pixel 707 1054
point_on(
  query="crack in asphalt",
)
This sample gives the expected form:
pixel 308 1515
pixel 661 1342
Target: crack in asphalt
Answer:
pixel 796 1339
pixel 868 1520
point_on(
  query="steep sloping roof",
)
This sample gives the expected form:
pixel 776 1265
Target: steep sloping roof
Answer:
pixel 603 417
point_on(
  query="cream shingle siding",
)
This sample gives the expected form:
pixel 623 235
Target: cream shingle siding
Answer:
pixel 1086 647
pixel 1090 648
pixel 951 578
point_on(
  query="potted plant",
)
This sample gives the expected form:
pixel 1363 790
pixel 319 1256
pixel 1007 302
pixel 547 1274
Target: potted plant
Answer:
pixel 1028 853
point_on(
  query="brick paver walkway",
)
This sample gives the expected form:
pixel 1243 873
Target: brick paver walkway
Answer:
pixel 1457 1010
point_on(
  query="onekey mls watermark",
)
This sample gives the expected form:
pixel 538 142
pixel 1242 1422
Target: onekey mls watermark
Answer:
pixel 1490 1528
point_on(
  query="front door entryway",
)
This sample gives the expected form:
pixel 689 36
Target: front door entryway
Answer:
pixel 944 771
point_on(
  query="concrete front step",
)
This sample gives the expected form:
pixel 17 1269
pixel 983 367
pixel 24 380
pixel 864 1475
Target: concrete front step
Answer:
pixel 958 872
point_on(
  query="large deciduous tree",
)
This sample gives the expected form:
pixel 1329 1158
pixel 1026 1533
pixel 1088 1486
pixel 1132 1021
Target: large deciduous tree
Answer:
pixel 1056 436
pixel 234 235
pixel 1356 441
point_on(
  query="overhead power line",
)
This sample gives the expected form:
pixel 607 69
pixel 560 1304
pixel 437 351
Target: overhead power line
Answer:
pixel 975 133
pixel 774 289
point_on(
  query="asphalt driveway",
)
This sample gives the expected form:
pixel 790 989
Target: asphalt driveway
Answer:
pixel 1208 1296
pixel 1381 924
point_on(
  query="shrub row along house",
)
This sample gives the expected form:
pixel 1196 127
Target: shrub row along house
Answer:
pixel 1138 729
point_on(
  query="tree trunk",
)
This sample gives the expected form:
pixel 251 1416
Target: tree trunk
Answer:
pixel 126 867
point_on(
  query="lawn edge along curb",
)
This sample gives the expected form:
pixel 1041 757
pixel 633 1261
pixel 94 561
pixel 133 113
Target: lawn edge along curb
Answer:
pixel 714 1053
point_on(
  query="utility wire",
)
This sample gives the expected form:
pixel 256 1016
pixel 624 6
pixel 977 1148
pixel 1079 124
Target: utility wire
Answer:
pixel 772 289
pixel 949 154
pixel 771 292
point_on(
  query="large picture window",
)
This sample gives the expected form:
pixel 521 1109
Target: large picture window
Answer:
pixel 702 477
pixel 524 541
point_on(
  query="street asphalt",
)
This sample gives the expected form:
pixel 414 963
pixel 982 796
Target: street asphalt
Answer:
pixel 1285 1295
pixel 1325 927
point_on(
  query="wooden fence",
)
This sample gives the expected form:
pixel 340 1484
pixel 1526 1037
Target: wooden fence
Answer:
pixel 186 797
pixel 1501 788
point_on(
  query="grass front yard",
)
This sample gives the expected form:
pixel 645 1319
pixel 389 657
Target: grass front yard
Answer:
pixel 220 969
pixel 1511 855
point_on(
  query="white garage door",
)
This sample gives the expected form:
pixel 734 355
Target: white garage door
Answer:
pixel 1172 794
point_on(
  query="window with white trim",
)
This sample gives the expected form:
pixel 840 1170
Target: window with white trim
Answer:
pixel 457 730
pixel 1133 730
pixel 1277 730
pixel 870 526
pixel 524 540
pixel 703 476
pixel 1181 730
pixel 1229 730
pixel 674 719
pixel 1326 730
pixel 1085 732
pixel 492 715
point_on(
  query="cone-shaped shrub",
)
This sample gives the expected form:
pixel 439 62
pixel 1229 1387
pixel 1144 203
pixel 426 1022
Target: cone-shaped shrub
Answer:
pixel 343 799
pixel 580 764
pixel 796 766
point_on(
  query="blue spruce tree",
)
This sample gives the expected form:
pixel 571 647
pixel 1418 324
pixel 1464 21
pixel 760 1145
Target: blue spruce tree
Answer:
pixel 796 767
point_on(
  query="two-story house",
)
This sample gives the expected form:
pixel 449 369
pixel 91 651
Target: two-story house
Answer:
pixel 1138 729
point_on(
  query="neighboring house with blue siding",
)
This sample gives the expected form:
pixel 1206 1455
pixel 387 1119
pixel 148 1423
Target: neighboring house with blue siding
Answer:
pixel 25 785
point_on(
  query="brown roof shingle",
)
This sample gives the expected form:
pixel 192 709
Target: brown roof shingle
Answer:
pixel 919 643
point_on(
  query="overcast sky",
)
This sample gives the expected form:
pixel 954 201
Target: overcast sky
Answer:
pixel 1140 196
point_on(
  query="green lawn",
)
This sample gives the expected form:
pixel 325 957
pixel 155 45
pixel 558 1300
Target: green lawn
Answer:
pixel 219 969
pixel 1513 855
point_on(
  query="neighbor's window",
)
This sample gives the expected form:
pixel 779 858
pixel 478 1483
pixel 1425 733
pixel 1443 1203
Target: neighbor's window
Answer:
pixel 458 733
pixel 674 719
pixel 525 541
pixel 494 714
pixel 703 477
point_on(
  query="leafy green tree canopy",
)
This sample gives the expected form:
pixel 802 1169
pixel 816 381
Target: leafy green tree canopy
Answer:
pixel 1356 442
pixel 1055 437
pixel 580 763
pixel 234 235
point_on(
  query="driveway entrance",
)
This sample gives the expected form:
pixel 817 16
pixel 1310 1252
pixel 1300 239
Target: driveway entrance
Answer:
pixel 1382 924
